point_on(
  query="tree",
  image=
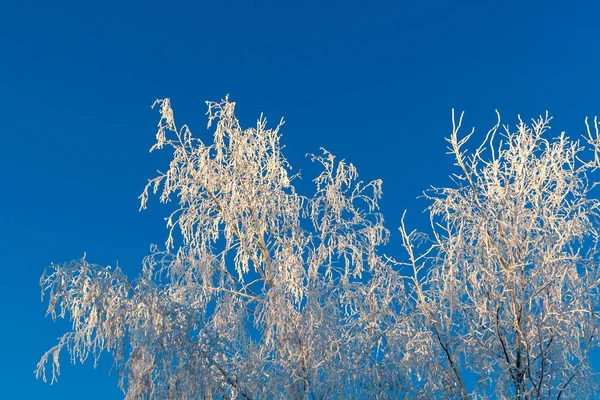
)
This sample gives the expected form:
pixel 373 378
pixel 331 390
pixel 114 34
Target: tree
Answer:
pixel 260 292
pixel 268 292
pixel 509 290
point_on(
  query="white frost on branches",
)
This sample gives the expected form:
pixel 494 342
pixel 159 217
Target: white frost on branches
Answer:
pixel 260 292
pixel 509 290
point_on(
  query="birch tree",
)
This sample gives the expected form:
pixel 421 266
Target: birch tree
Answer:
pixel 508 293
pixel 259 292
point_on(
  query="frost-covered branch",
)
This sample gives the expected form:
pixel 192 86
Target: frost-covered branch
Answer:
pixel 511 289
pixel 258 292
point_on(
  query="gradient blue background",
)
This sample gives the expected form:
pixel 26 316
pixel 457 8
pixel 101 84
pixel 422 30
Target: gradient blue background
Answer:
pixel 372 81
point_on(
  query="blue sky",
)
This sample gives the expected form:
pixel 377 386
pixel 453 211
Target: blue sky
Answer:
pixel 371 81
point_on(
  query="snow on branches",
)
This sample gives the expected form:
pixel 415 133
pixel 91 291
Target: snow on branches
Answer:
pixel 261 292
pixel 264 293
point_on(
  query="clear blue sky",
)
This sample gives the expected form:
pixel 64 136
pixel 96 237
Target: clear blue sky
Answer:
pixel 372 81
